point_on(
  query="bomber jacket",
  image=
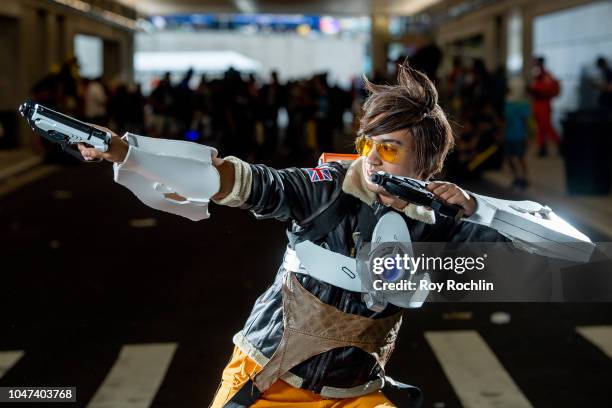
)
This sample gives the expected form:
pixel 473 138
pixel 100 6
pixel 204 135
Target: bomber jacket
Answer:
pixel 299 196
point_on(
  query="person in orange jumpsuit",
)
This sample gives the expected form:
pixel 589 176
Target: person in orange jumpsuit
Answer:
pixel 543 89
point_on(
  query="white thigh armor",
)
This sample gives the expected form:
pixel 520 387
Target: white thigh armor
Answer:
pixel 158 171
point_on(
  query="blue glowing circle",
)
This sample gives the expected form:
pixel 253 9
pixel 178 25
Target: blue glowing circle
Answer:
pixel 392 274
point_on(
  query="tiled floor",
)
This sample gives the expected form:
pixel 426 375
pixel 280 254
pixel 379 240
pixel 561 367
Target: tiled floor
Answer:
pixel 19 167
pixel 14 161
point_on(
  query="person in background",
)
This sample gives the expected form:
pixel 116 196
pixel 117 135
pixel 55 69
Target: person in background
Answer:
pixel 183 106
pixel 604 84
pixel 162 101
pixel 322 108
pixel 95 101
pixel 543 89
pixel 134 114
pixel 455 82
pixel 517 113
pixel 271 99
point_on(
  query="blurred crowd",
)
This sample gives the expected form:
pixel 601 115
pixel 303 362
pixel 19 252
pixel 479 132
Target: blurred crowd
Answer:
pixel 237 113
pixel 266 120
pixel 474 99
pixel 496 116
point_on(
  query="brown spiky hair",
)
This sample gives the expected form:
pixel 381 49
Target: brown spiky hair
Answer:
pixel 410 105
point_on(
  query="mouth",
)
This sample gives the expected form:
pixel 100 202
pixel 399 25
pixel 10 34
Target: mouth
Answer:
pixel 368 174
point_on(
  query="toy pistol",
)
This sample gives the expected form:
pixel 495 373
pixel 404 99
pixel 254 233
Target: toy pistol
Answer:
pixel 63 129
pixel 414 191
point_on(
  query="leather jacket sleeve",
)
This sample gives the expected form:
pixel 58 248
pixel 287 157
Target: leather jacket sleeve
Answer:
pixel 293 193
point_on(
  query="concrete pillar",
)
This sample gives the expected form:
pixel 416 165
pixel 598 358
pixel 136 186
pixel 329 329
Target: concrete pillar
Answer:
pixel 9 86
pixel 128 58
pixel 35 34
pixel 9 61
pixel 60 23
pixel 112 59
pixel 39 34
pixel 379 43
pixel 52 41
pixel 528 18
pixel 67 38
pixel 29 59
pixel 501 34
pixel 490 44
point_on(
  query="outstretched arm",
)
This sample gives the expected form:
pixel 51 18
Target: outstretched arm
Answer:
pixel 285 194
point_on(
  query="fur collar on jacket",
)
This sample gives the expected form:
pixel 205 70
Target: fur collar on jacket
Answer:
pixel 355 185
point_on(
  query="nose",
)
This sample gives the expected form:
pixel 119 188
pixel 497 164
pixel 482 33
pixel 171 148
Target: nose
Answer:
pixel 373 158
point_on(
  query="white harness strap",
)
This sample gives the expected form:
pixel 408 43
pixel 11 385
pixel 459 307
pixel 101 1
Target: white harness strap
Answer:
pixel 342 271
pixel 324 265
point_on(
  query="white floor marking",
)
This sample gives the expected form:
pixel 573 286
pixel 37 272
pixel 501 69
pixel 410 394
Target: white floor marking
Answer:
pixel 8 359
pixel 601 336
pixel 135 377
pixel 477 376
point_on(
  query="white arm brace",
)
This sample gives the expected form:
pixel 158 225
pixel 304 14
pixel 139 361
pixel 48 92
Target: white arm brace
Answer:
pixel 154 168
pixel 532 227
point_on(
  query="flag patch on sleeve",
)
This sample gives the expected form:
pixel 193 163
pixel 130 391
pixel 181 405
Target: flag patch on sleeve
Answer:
pixel 317 174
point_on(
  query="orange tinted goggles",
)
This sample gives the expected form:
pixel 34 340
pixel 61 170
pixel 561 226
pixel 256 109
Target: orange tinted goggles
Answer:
pixel 388 152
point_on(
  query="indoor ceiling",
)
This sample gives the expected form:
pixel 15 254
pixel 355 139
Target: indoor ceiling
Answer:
pixel 325 7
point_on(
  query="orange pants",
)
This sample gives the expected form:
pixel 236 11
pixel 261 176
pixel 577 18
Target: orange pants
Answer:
pixel 281 394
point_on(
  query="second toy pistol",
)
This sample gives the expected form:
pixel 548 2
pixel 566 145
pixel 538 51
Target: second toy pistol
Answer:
pixel 63 129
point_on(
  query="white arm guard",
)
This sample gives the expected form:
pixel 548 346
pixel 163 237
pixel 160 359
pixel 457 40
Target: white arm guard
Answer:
pixel 532 227
pixel 154 168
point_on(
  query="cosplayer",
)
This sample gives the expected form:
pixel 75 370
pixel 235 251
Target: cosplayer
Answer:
pixel 313 342
pixel 544 88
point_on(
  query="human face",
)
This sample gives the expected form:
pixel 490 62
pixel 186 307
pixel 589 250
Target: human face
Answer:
pixel 404 165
